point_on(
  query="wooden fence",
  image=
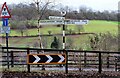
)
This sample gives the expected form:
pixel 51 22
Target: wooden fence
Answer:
pixel 75 59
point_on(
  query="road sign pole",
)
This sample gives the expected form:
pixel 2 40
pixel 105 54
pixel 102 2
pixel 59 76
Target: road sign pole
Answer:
pixel 5 14
pixel 5 23
pixel 7 50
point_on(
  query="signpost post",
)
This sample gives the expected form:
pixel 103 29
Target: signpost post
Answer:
pixel 64 14
pixel 5 14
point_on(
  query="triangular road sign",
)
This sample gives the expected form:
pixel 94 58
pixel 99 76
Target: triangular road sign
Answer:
pixel 4 13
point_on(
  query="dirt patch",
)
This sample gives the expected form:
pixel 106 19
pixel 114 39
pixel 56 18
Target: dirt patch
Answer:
pixel 60 75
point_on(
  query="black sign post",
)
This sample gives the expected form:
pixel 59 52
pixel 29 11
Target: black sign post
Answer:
pixel 5 14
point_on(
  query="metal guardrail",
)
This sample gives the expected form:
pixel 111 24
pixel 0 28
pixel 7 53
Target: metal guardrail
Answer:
pixel 97 59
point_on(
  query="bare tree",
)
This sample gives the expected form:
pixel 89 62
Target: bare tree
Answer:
pixel 40 12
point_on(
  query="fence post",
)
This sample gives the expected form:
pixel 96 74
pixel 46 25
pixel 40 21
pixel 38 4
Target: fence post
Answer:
pixel 2 56
pixel 85 59
pixel 28 65
pixel 12 59
pixel 108 60
pixel 66 68
pixel 100 63
pixel 116 64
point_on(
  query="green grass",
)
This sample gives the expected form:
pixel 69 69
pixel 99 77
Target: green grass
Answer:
pixel 44 30
pixel 102 27
pixel 94 26
pixel 23 42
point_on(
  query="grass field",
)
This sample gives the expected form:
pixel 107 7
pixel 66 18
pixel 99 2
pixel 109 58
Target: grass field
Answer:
pixel 102 27
pixel 94 26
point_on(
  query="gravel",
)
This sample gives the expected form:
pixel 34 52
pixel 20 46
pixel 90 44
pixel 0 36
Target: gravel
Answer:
pixel 92 74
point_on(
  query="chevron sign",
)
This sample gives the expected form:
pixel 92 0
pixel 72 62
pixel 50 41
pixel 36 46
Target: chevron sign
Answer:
pixel 46 59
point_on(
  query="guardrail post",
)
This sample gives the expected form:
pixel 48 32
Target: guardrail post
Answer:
pixel 28 65
pixel 66 68
pixel 100 63
pixel 12 59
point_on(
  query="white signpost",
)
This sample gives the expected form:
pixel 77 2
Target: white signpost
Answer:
pixel 66 22
pixel 51 22
pixel 56 18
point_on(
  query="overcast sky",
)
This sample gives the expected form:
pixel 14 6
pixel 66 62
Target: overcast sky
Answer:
pixel 94 4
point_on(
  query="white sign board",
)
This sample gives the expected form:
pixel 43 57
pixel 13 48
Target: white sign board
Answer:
pixel 67 22
pixel 56 18
pixel 51 22
pixel 77 22
pixel 5 29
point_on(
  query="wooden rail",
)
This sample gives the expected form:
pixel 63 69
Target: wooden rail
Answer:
pixel 75 58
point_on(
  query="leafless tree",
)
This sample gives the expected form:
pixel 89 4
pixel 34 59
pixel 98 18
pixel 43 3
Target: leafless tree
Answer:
pixel 41 8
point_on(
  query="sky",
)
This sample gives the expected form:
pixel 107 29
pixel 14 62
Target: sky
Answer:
pixel 94 4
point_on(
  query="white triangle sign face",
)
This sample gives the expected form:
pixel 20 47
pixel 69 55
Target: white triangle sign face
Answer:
pixel 5 12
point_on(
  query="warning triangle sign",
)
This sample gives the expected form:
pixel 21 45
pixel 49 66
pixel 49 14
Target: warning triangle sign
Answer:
pixel 4 13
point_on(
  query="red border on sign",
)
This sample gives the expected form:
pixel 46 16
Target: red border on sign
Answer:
pixel 7 10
